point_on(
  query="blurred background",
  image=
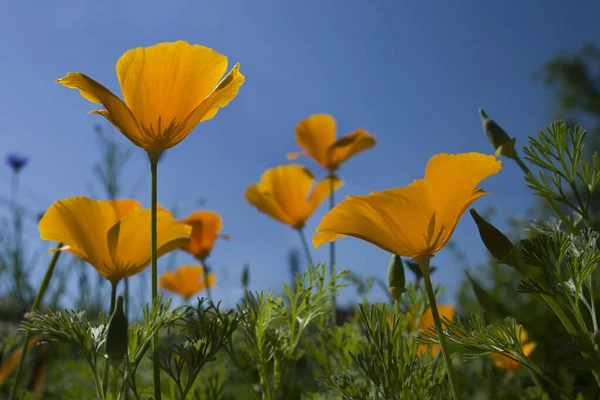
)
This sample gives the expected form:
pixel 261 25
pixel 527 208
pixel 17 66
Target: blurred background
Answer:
pixel 411 73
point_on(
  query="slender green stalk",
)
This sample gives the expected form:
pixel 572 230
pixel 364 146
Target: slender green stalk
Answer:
pixel 205 277
pixel 155 360
pixel 113 300
pixel 332 245
pixel 115 384
pixel 549 202
pixel 424 266
pixel 306 248
pixel 36 305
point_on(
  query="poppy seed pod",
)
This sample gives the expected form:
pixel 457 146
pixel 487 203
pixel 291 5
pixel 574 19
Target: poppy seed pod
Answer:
pixel 396 278
pixel 245 276
pixel 503 144
pixel 494 240
pixel 117 339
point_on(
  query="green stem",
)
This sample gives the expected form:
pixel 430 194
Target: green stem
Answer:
pixel 549 380
pixel 115 384
pixel 306 248
pixel 36 305
pixel 549 202
pixel 155 361
pixel 205 277
pixel 424 266
pixel 332 245
pixel 113 300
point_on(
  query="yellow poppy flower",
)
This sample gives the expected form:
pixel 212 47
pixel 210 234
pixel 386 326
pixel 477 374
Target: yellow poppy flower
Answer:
pixel 187 280
pixel 415 220
pixel 206 226
pixel 504 362
pixel 122 207
pixel 168 89
pixel 317 135
pixel 283 193
pixel 116 248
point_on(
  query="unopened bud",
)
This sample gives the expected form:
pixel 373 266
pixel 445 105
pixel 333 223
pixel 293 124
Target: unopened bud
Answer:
pixel 396 278
pixel 494 309
pixel 495 241
pixel 503 144
pixel 117 339
pixel 245 276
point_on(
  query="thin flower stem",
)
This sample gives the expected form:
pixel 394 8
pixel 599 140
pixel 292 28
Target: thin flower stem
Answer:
pixel 424 266
pixel 126 296
pixel 549 202
pixel 306 248
pixel 332 245
pixel 36 305
pixel 155 360
pixel 113 299
pixel 115 383
pixel 205 277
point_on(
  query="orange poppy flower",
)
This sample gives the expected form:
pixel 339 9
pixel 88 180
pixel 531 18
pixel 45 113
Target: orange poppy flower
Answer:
pixel 427 321
pixel 206 226
pixel 504 362
pixel 187 280
pixel 316 135
pixel 10 363
pixel 283 193
pixel 116 248
pixel 415 220
pixel 168 89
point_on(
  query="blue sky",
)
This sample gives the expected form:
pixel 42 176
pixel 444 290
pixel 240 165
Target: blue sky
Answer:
pixel 411 73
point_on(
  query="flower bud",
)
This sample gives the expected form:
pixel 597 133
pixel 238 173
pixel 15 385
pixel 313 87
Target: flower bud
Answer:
pixel 245 276
pixel 117 339
pixel 503 144
pixel 396 278
pixel 494 309
pixel 495 241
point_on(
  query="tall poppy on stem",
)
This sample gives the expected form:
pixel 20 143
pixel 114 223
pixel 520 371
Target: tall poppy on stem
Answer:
pixel 187 280
pixel 283 194
pixel 206 228
pixel 317 136
pixel 168 89
pixel 416 220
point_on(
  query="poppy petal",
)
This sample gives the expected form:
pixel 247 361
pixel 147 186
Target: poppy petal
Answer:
pixel 81 224
pixel 396 220
pixel 265 202
pixel 349 145
pixel 316 134
pixel 168 80
pixel 117 112
pixel 322 191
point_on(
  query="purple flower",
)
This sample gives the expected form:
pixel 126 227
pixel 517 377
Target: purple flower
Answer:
pixel 16 161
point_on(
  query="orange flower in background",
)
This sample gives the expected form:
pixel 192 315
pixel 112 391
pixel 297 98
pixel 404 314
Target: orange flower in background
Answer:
pixel 187 280
pixel 283 193
pixel 168 89
pixel 10 363
pixel 206 228
pixel 317 136
pixel 504 362
pixel 427 321
pixel 415 220
pixel 116 248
